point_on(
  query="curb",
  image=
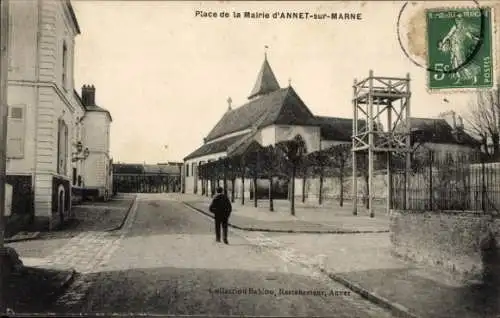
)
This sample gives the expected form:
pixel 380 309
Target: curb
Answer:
pixel 254 229
pixel 395 308
pixel 65 284
pixel 22 239
pixel 122 223
pixel 68 280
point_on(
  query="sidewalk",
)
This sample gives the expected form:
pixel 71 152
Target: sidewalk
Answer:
pixel 364 263
pixel 102 216
pixel 88 216
pixel 41 278
pixel 308 218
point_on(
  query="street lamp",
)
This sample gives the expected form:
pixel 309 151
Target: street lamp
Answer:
pixel 80 154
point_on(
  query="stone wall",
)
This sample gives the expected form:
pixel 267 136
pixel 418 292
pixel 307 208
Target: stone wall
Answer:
pixel 448 240
pixel 331 188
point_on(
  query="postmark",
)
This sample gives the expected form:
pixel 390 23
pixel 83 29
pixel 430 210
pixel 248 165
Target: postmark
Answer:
pixel 460 52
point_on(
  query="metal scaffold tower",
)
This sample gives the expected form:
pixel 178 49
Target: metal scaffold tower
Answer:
pixel 377 100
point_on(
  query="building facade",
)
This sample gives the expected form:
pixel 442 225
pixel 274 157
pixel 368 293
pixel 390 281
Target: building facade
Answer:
pixel 45 122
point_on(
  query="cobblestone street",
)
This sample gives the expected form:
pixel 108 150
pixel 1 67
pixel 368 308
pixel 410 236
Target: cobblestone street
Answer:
pixel 165 261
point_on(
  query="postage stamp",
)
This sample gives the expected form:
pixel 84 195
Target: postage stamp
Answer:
pixel 460 51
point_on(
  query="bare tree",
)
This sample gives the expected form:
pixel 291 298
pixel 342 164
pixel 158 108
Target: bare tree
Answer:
pixel 272 163
pixel 339 156
pixel 483 120
pixel 294 151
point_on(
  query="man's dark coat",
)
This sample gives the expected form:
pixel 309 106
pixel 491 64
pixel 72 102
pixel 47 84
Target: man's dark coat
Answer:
pixel 221 206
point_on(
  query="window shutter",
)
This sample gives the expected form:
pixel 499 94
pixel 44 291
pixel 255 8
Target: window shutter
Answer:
pixel 15 132
pixel 66 146
pixel 62 151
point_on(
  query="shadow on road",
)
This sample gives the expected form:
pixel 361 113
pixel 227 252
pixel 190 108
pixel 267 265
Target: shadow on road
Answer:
pixel 31 289
pixel 185 291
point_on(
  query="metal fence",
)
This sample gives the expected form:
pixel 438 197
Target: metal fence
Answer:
pixel 436 180
pixel 446 181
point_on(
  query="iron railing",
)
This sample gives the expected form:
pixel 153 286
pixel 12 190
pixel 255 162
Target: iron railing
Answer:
pixel 436 179
pixel 452 181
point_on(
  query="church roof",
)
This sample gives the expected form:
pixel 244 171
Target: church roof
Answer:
pixel 247 145
pixel 215 147
pixel 281 107
pixel 266 81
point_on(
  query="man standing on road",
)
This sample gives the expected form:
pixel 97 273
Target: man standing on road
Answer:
pixel 221 208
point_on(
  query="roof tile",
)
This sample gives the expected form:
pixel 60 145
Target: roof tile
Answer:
pixel 215 147
pixel 283 107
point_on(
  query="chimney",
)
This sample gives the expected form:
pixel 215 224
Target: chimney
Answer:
pixel 88 95
pixel 450 117
pixel 229 101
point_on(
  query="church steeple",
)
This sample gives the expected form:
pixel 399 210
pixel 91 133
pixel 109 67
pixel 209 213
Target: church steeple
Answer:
pixel 266 81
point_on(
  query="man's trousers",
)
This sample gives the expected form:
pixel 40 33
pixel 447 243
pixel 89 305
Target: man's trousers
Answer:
pixel 221 222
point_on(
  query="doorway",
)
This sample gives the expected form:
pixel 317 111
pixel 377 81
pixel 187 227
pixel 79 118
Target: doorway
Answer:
pixel 60 205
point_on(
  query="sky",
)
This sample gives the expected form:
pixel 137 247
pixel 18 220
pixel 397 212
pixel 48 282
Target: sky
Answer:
pixel 165 74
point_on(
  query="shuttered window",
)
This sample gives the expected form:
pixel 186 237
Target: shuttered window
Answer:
pixel 62 151
pixel 16 132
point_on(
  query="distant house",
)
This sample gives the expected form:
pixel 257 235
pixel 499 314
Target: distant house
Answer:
pixel 97 166
pixel 162 177
pixel 272 114
pixel 445 134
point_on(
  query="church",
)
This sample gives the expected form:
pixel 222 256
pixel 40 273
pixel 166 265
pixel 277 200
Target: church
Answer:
pixel 272 114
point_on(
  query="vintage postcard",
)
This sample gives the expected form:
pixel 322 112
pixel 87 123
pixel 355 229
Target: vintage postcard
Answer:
pixel 242 158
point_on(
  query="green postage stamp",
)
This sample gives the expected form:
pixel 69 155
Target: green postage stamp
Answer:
pixel 460 48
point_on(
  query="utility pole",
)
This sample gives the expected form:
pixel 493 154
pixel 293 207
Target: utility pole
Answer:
pixel 4 72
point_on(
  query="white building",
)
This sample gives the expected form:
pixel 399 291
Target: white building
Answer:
pixel 45 112
pixel 272 114
pixel 96 136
